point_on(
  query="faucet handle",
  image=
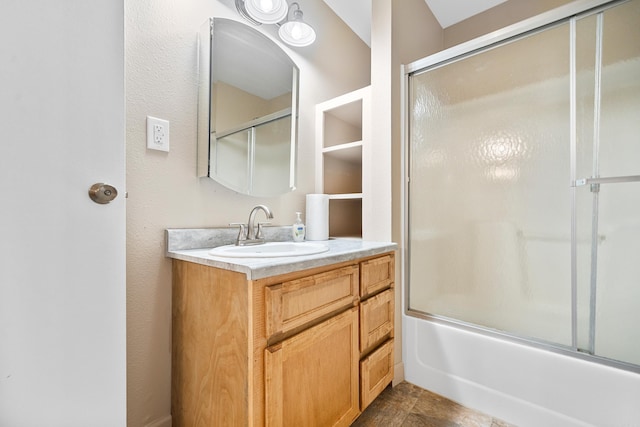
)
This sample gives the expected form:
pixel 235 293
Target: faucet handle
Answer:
pixel 259 232
pixel 242 233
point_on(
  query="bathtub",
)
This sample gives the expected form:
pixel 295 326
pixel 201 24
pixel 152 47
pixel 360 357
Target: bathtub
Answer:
pixel 517 383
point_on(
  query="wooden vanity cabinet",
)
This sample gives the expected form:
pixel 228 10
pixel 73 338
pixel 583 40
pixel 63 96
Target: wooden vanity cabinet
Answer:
pixel 281 351
pixel 376 326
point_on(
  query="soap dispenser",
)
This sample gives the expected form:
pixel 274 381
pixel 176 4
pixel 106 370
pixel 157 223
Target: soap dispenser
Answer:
pixel 297 230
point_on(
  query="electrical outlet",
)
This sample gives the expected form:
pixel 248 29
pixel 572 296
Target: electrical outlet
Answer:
pixel 157 134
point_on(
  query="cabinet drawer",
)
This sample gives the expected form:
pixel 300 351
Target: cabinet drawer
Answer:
pixel 376 372
pixel 377 274
pixel 292 304
pixel 376 320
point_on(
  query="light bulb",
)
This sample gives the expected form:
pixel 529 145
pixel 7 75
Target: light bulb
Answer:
pixel 296 31
pixel 267 11
pixel 266 5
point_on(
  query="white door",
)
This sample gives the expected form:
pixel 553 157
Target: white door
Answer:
pixel 62 256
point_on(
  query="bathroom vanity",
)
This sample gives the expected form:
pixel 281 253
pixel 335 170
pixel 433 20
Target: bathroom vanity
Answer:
pixel 281 341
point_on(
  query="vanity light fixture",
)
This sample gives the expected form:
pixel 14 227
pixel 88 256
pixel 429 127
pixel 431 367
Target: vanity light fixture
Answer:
pixel 267 11
pixel 294 32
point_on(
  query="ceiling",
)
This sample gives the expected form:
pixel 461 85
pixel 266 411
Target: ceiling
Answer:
pixel 357 13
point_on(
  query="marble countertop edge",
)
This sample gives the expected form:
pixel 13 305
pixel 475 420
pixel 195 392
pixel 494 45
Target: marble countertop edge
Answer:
pixel 340 250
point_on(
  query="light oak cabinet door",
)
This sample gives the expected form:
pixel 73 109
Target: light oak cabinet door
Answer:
pixel 311 379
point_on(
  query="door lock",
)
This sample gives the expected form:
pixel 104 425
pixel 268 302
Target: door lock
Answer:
pixel 102 193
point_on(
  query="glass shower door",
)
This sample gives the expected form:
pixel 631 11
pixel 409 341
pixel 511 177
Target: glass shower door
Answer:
pixel 524 186
pixel 608 182
pixel 489 194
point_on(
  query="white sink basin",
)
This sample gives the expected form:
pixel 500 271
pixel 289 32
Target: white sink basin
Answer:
pixel 269 250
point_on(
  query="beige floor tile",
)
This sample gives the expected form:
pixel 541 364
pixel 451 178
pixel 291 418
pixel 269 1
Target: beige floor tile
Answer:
pixel 407 405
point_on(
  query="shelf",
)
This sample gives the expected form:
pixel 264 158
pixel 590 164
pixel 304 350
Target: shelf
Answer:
pixel 350 114
pixel 347 107
pixel 350 152
pixel 342 176
pixel 342 124
pixel 351 196
pixel 340 147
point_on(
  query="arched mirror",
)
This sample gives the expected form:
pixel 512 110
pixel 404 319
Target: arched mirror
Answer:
pixel 247 110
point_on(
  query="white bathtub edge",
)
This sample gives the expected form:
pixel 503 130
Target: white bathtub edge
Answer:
pixel 516 383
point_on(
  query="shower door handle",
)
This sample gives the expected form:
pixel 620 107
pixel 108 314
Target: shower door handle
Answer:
pixel 608 180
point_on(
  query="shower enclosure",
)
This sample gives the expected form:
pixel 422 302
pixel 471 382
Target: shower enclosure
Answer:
pixel 523 194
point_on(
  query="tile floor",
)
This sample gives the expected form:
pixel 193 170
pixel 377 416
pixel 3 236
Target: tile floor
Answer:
pixel 408 405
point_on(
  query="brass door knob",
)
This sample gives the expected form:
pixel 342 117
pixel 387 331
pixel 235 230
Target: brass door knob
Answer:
pixel 102 193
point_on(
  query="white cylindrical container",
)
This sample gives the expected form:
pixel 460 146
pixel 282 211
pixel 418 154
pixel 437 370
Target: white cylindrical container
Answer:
pixel 317 217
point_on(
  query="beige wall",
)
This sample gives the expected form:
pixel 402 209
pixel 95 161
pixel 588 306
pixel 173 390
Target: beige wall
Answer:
pixel 496 18
pixel 163 190
pixel 415 33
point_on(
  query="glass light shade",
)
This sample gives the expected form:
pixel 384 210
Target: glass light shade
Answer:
pixel 297 32
pixel 267 11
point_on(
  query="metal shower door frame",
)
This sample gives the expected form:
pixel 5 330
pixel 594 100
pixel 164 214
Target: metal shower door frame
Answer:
pixel 569 13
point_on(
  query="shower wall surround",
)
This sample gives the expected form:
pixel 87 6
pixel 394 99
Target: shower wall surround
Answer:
pixel 503 232
pixel 510 252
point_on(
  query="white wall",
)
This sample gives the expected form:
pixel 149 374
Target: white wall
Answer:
pixel 62 261
pixel 163 189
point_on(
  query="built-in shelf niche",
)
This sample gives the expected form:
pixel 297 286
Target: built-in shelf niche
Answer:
pixel 345 217
pixel 341 144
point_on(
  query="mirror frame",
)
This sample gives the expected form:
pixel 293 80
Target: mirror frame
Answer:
pixel 206 133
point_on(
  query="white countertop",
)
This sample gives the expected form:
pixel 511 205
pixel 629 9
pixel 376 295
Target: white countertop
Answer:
pixel 340 250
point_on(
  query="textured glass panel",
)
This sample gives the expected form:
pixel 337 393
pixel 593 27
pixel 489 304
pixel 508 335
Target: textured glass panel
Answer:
pixel 232 159
pixel 608 95
pixel 271 173
pixel 618 271
pixel 617 335
pixel 489 200
pixel 620 91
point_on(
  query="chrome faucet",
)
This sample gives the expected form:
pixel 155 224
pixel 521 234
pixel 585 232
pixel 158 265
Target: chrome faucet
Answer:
pixel 253 235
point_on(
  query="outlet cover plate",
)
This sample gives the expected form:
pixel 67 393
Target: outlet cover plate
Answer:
pixel 157 134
